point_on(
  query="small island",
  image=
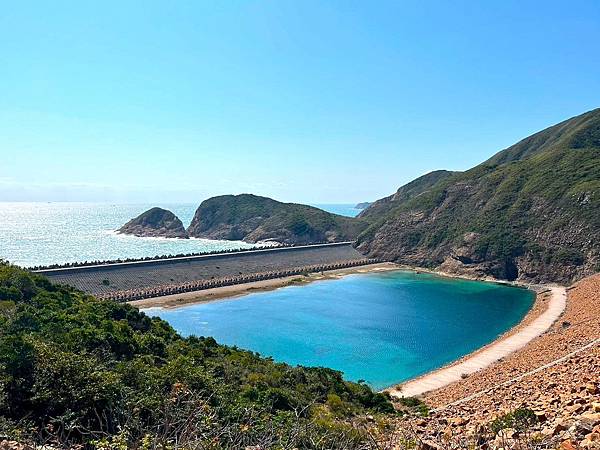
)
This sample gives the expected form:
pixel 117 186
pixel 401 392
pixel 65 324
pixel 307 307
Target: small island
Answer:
pixel 156 222
pixel 253 219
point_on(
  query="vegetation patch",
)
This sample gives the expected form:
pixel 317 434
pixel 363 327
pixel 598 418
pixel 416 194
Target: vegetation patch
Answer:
pixel 74 369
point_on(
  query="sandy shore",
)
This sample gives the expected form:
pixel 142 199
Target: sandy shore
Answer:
pixel 207 295
pixel 577 326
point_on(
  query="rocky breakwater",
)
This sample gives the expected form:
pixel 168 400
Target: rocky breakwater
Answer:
pixel 156 222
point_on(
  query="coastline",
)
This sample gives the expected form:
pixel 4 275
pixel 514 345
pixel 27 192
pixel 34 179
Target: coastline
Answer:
pixel 538 309
pixel 556 375
pixel 239 290
pixel 543 314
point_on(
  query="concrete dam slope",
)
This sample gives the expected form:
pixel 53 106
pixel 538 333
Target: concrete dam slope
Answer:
pixel 107 279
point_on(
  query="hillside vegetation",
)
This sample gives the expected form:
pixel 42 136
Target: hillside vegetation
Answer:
pixel 253 218
pixel 74 369
pixel 530 212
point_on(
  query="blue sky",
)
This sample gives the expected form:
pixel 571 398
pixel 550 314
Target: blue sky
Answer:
pixel 306 101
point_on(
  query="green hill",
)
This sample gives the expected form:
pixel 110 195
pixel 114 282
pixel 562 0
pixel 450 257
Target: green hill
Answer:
pixel 74 369
pixel 530 212
pixel 253 218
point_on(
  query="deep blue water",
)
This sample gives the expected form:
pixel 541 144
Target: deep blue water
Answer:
pixel 383 328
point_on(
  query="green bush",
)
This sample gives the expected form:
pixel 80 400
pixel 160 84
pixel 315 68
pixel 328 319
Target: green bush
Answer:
pixel 520 419
pixel 69 363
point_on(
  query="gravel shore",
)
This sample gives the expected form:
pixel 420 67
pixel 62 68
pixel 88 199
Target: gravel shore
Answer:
pixel 564 396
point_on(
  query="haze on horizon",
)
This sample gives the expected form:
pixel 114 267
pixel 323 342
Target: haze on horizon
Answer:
pixel 309 102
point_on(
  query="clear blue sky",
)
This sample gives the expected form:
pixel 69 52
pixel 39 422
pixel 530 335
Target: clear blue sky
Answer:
pixel 307 101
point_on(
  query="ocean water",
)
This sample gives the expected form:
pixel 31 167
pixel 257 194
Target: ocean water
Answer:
pixel 382 328
pixel 54 233
pixel 342 209
pixel 48 233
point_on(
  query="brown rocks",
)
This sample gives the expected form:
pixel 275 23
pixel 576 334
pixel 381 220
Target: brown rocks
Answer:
pixel 568 445
pixel 429 445
pixel 563 397
pixel 458 421
pixel 592 419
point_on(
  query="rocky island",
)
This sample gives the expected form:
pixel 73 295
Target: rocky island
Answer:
pixel 156 222
pixel 252 218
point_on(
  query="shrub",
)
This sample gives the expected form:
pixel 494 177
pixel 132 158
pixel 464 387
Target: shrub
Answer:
pixel 520 420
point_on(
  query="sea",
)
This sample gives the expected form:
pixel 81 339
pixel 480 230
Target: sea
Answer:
pixel 382 328
pixel 35 234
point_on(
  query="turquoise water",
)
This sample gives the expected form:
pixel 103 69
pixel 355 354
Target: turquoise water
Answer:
pixel 53 233
pixel 382 328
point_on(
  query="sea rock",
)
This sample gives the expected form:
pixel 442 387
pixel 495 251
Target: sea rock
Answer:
pixel 156 222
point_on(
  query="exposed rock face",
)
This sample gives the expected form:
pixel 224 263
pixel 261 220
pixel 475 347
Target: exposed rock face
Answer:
pixel 156 222
pixel 362 205
pixel 531 212
pixel 252 218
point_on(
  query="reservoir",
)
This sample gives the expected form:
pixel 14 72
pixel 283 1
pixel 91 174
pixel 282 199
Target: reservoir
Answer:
pixel 383 328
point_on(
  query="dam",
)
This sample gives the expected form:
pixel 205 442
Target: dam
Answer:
pixel 143 279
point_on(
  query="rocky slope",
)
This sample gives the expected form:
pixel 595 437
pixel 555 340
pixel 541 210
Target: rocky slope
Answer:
pixel 252 218
pixel 560 404
pixel 156 222
pixel 531 212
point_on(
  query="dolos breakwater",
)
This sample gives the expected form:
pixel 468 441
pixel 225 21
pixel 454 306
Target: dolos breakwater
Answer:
pixel 144 279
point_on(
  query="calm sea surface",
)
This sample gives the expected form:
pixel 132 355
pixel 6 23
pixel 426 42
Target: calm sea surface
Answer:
pixel 382 328
pixel 49 233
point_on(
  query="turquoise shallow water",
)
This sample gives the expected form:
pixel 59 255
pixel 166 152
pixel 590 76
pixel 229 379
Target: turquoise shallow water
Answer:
pixel 48 233
pixel 382 328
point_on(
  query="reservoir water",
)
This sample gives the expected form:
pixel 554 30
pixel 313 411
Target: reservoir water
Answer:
pixel 383 328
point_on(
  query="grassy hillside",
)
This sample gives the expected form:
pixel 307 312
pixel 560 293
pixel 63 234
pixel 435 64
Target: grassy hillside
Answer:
pixel 74 369
pixel 410 190
pixel 253 218
pixel 531 212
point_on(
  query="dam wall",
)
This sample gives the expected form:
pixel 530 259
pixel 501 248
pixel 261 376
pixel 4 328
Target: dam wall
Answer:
pixel 195 272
